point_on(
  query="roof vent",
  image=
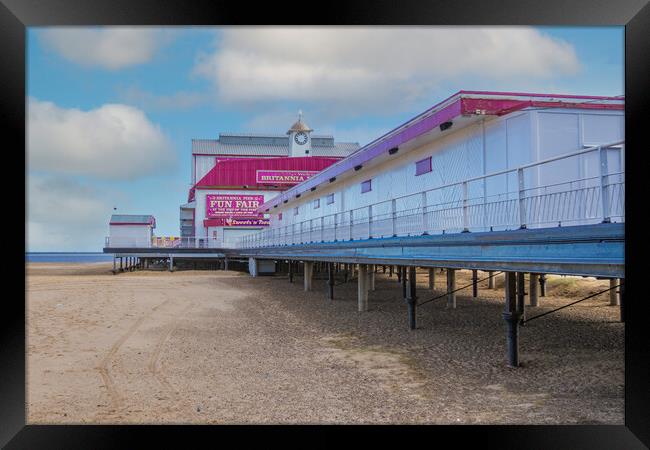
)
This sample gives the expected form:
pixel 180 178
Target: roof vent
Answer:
pixel 332 180
pixel 314 188
pixel 285 201
pixel 357 168
pixel 445 126
pixel 298 195
pixel 393 150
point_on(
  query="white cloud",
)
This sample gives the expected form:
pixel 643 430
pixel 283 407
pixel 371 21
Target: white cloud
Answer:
pixel 359 68
pixel 108 47
pixel 64 215
pixel 113 141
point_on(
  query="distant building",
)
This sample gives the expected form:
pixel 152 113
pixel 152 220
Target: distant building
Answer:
pixel 127 230
pixel 235 174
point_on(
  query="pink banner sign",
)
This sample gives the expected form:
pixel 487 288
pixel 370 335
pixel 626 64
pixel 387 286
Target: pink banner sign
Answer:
pixel 232 205
pixel 237 222
pixel 283 176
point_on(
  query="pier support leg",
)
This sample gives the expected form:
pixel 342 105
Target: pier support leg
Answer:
pixel 225 264
pixel 491 280
pixel 613 295
pixel 371 280
pixel 121 264
pixel 290 271
pixel 399 274
pixel 362 286
pixel 401 271
pixel 511 317
pixel 171 263
pixel 432 279
pixel 411 297
pixel 451 287
pixel 532 288
pixel 521 293
pixel 308 272
pixel 330 281
pixel 622 298
pixel 346 272
pixel 390 271
pixel 114 265
pixel 542 285
pixel 474 283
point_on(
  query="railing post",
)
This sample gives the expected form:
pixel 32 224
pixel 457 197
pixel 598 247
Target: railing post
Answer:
pixel 351 219
pixel 424 213
pixel 465 204
pixel 369 221
pixel 604 170
pixel 522 200
pixel 393 213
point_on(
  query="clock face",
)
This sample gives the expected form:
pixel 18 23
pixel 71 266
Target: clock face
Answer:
pixel 300 138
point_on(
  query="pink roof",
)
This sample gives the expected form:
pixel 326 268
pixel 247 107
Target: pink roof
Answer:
pixel 239 172
pixel 462 103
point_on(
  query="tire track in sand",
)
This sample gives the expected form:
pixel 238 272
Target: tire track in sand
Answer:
pixel 155 356
pixel 109 383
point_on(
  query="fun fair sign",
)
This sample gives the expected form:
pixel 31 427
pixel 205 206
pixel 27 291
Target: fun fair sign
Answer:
pixel 233 205
pixel 283 176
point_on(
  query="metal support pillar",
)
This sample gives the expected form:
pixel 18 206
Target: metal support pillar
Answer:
pixel 308 272
pixel 390 271
pixel 371 280
pixel 451 287
pixel 474 283
pixel 402 275
pixel 613 294
pixel 432 279
pixel 290 271
pixel 622 298
pixel 121 266
pixel 542 285
pixel 225 264
pixel 511 316
pixel 491 280
pixel 114 265
pixel 399 274
pixel 411 297
pixel 362 286
pixel 171 263
pixel 521 293
pixel 330 281
pixel 532 289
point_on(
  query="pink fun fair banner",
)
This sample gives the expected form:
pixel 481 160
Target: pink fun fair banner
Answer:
pixel 232 205
pixel 283 176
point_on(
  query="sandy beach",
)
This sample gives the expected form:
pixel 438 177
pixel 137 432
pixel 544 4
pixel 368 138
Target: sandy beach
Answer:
pixel 223 347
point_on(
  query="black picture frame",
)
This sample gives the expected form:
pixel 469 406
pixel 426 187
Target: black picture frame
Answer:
pixel 16 15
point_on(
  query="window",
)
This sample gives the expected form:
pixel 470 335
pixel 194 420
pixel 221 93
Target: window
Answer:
pixel 280 216
pixel 366 186
pixel 317 203
pixel 423 166
pixel 295 211
pixel 330 199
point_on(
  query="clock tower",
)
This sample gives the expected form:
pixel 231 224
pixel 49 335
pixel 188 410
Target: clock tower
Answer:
pixel 299 138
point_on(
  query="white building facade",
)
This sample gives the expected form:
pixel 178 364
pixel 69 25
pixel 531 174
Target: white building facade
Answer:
pixel 431 172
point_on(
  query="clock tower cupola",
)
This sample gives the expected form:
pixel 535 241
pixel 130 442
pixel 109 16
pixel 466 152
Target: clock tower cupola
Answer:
pixel 299 138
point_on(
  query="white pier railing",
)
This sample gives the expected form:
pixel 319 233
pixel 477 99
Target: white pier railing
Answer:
pixel 468 205
pixel 176 242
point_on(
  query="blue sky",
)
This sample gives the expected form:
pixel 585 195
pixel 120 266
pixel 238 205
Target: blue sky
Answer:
pixel 112 111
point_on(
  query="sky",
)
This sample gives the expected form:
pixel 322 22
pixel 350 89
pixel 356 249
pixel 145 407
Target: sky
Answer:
pixel 111 111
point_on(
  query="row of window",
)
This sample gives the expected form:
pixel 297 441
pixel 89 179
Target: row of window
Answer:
pixel 421 167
